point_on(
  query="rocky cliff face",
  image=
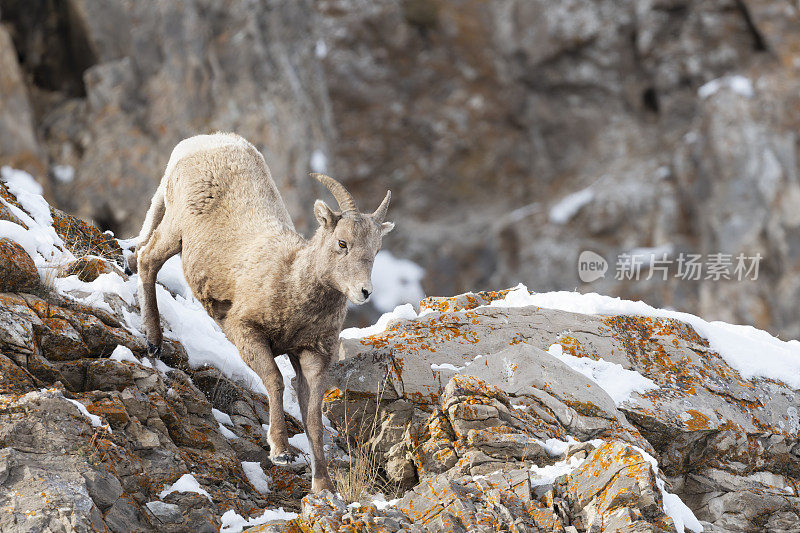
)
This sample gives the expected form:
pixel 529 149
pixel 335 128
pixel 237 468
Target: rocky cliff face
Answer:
pixel 111 88
pixel 482 117
pixel 466 390
pixel 491 411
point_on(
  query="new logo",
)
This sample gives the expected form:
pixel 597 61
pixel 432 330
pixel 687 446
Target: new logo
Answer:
pixel 591 266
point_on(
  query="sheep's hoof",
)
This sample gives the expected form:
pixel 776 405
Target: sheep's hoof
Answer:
pixel 284 459
pixel 153 350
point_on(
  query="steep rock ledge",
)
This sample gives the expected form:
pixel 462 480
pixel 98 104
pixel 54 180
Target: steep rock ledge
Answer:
pixel 728 446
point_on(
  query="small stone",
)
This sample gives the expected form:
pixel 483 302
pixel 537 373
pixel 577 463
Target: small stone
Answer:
pixel 141 437
pixel 104 488
pixel 88 268
pixel 165 512
pixel 247 450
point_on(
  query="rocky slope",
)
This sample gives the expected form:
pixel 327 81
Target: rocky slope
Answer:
pixel 469 390
pixel 481 116
pixel 491 411
pixel 90 435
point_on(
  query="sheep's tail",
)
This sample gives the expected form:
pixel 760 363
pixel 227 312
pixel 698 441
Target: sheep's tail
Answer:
pixel 151 222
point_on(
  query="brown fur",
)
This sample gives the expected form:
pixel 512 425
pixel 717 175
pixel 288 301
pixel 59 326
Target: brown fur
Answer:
pixel 271 290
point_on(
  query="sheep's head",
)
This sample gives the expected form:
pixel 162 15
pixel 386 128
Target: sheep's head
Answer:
pixel 349 241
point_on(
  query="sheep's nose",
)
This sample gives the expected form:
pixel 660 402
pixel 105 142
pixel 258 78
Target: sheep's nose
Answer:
pixel 366 293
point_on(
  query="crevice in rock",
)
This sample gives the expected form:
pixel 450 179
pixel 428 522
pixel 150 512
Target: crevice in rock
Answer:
pixel 422 15
pixel 105 219
pixel 759 44
pixel 52 46
pixel 650 100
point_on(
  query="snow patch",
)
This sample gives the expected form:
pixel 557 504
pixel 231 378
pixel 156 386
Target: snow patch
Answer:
pixel 234 523
pixel 617 381
pixel 186 483
pixel 163 367
pixel 546 475
pixel 300 441
pixel 227 433
pixel 556 447
pixel 382 503
pixel 95 420
pixel 447 366
pixel 681 515
pixel 222 418
pixel 291 404
pixel 40 240
pixel 123 353
pixel 401 312
pixel 171 276
pixel 108 282
pixel 21 183
pixel 256 476
pixel 187 321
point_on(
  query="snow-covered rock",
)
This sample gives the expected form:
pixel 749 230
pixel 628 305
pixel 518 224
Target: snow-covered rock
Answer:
pixel 506 372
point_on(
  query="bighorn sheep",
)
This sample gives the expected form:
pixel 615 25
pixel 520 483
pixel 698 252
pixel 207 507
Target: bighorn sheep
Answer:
pixel 270 290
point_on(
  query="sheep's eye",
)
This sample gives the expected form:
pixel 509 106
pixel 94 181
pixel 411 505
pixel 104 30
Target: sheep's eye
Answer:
pixel 342 244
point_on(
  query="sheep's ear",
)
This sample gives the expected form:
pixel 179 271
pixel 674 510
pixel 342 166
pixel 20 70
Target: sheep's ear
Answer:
pixel 325 216
pixel 386 227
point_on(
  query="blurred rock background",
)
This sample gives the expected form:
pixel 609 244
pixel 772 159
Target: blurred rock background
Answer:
pixel 483 117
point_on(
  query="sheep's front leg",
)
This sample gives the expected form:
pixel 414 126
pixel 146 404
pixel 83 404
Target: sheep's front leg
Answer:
pixel 313 366
pixel 257 354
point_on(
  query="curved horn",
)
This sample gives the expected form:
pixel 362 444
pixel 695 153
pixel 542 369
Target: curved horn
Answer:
pixel 380 213
pixel 343 198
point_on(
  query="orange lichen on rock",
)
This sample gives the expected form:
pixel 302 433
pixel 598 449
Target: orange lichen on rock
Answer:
pixel 17 269
pixel 13 379
pixel 615 475
pixel 695 420
pixel 573 346
pixel 82 238
pixel 110 409
pixel 585 408
pixel 462 302
pixel 89 268
pixel 332 395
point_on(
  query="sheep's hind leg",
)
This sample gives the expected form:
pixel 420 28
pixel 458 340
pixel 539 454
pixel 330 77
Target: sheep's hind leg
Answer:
pixel 163 244
pixel 301 385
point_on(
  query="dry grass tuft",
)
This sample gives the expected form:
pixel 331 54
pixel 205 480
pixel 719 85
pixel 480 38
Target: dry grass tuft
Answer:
pixel 96 453
pixel 49 273
pixel 362 477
